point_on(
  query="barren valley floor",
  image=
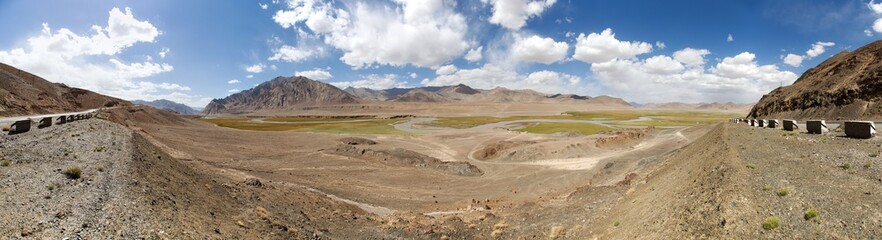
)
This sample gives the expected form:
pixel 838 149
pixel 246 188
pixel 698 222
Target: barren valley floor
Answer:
pixel 150 174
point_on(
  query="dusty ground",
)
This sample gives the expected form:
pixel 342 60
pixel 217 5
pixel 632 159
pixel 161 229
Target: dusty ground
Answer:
pixel 552 166
pixel 166 177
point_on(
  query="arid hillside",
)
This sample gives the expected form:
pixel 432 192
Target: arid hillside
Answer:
pixel 23 93
pixel 846 86
pixel 281 93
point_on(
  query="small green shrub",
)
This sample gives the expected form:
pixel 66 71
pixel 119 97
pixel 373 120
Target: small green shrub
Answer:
pixel 868 164
pixel 771 223
pixel 845 166
pixel 767 187
pixel 811 213
pixel 99 149
pixel 73 173
pixel 616 223
pixel 50 187
pixel 101 169
pixel 5 163
pixel 751 166
pixel 783 191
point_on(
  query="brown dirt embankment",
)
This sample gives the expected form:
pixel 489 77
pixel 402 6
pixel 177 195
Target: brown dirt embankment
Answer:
pixel 130 188
pixel 733 180
pixel 697 193
pixel 407 158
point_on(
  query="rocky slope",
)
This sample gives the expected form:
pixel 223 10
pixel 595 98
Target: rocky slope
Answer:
pixel 168 105
pixel 846 86
pixel 281 93
pixel 419 95
pixel 23 93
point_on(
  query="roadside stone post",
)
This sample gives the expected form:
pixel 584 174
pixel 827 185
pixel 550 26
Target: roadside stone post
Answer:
pixel 816 126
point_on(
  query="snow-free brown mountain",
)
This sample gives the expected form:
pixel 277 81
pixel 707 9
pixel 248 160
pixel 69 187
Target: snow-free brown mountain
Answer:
pixel 714 106
pixel 300 93
pixel 281 93
pixel 465 94
pixel 168 105
pixel 23 93
pixel 845 86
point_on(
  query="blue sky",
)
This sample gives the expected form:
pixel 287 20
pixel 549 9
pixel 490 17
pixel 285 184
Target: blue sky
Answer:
pixel 640 50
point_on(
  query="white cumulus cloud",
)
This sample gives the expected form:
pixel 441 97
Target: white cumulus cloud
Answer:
pixel 513 14
pixel 539 49
pixel 374 81
pixel 446 70
pixel 602 47
pixel 817 49
pixel 691 57
pixel 315 74
pixel 289 53
pixel 656 79
pixel 234 81
pixel 164 52
pixel 424 33
pixel 474 54
pixel 877 25
pixel 793 60
pixel 256 68
pixel 876 7
pixel 89 60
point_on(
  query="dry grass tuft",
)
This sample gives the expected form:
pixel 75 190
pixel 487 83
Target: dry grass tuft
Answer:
pixel 73 173
pixel 771 223
pixel 556 232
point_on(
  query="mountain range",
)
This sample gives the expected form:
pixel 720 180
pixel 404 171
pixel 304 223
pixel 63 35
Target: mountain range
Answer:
pixel 715 106
pixel 168 106
pixel 293 93
pixel 281 93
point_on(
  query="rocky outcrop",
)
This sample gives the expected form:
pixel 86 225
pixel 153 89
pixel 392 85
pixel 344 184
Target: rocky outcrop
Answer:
pixel 846 86
pixel 281 93
pixel 23 93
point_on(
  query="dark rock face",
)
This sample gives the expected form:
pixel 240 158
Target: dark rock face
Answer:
pixel 281 93
pixel 846 86
pixel 23 93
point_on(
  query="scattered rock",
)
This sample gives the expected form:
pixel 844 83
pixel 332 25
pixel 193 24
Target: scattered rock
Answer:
pixel 357 141
pixel 254 182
